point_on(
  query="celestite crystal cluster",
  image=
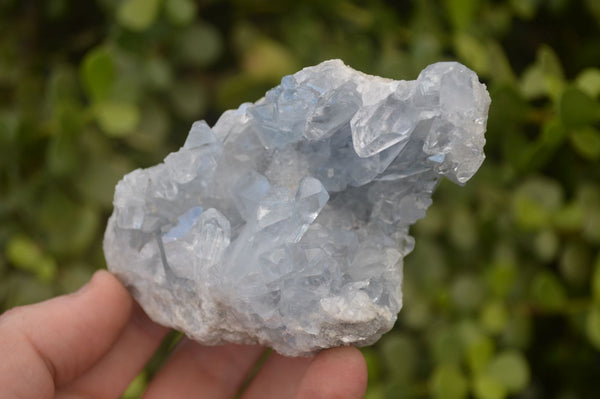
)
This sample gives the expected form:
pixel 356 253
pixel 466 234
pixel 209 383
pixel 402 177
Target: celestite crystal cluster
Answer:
pixel 285 224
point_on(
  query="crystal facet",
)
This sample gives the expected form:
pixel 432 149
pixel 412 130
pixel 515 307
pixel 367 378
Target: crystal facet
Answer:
pixel 285 224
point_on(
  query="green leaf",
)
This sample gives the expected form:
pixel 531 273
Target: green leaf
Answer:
pixel 510 368
pixel 25 290
pixel 472 52
pixel 117 118
pixel 74 276
pixel 588 81
pixel 463 228
pixel 494 316
pixel 446 345
pixel 595 283
pixel 546 245
pixel 137 387
pixel 592 326
pixel 268 60
pixel 547 292
pixel 448 382
pixel 152 129
pixel 138 15
pixel 69 227
pixel 375 391
pixel 575 263
pixel 586 141
pixel 62 155
pixel 486 387
pixel 501 277
pixel 479 354
pixel 525 8
pixel 158 73
pixel 577 109
pixel 23 253
pixel 98 177
pixel 461 12
pixel 467 292
pixel 98 73
pixel 399 356
pixel 189 98
pixel 498 63
pixel 533 82
pixel 200 44
pixel 569 218
pixel 518 331
pixel 535 201
pixel 373 361
pixel 545 77
pixel 180 12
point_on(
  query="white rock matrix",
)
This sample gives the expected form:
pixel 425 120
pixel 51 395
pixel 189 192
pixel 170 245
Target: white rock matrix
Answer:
pixel 285 224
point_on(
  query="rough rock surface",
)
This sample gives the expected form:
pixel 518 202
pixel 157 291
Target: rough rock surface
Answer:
pixel 286 223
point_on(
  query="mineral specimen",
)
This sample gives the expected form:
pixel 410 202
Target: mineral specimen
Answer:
pixel 285 224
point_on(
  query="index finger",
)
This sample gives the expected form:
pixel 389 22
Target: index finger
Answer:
pixel 49 344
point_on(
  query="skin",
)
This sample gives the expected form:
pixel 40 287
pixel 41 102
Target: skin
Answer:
pixel 91 344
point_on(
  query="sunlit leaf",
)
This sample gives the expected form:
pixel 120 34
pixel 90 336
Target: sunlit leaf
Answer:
pixel 487 387
pixel 138 15
pixel 586 141
pixel 98 73
pixel 588 81
pixel 116 118
pixel 448 382
pixel 525 8
pixel 510 368
pixel 22 252
pixel 180 12
pixel 472 52
pixel 267 59
pixel 494 316
pixel 479 353
pixel 546 244
pixel 26 255
pixel 136 387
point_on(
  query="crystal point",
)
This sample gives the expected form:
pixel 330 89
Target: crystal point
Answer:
pixel 285 224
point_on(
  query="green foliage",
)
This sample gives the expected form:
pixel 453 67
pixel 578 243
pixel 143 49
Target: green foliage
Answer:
pixel 502 292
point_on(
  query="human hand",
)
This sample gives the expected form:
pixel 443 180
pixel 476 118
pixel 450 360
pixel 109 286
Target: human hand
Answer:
pixel 92 343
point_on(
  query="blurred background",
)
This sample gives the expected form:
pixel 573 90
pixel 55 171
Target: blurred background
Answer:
pixel 502 292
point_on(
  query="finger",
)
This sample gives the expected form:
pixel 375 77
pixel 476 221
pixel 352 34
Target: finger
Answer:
pixel 203 371
pixel 278 378
pixel 335 373
pixel 127 357
pixel 53 342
